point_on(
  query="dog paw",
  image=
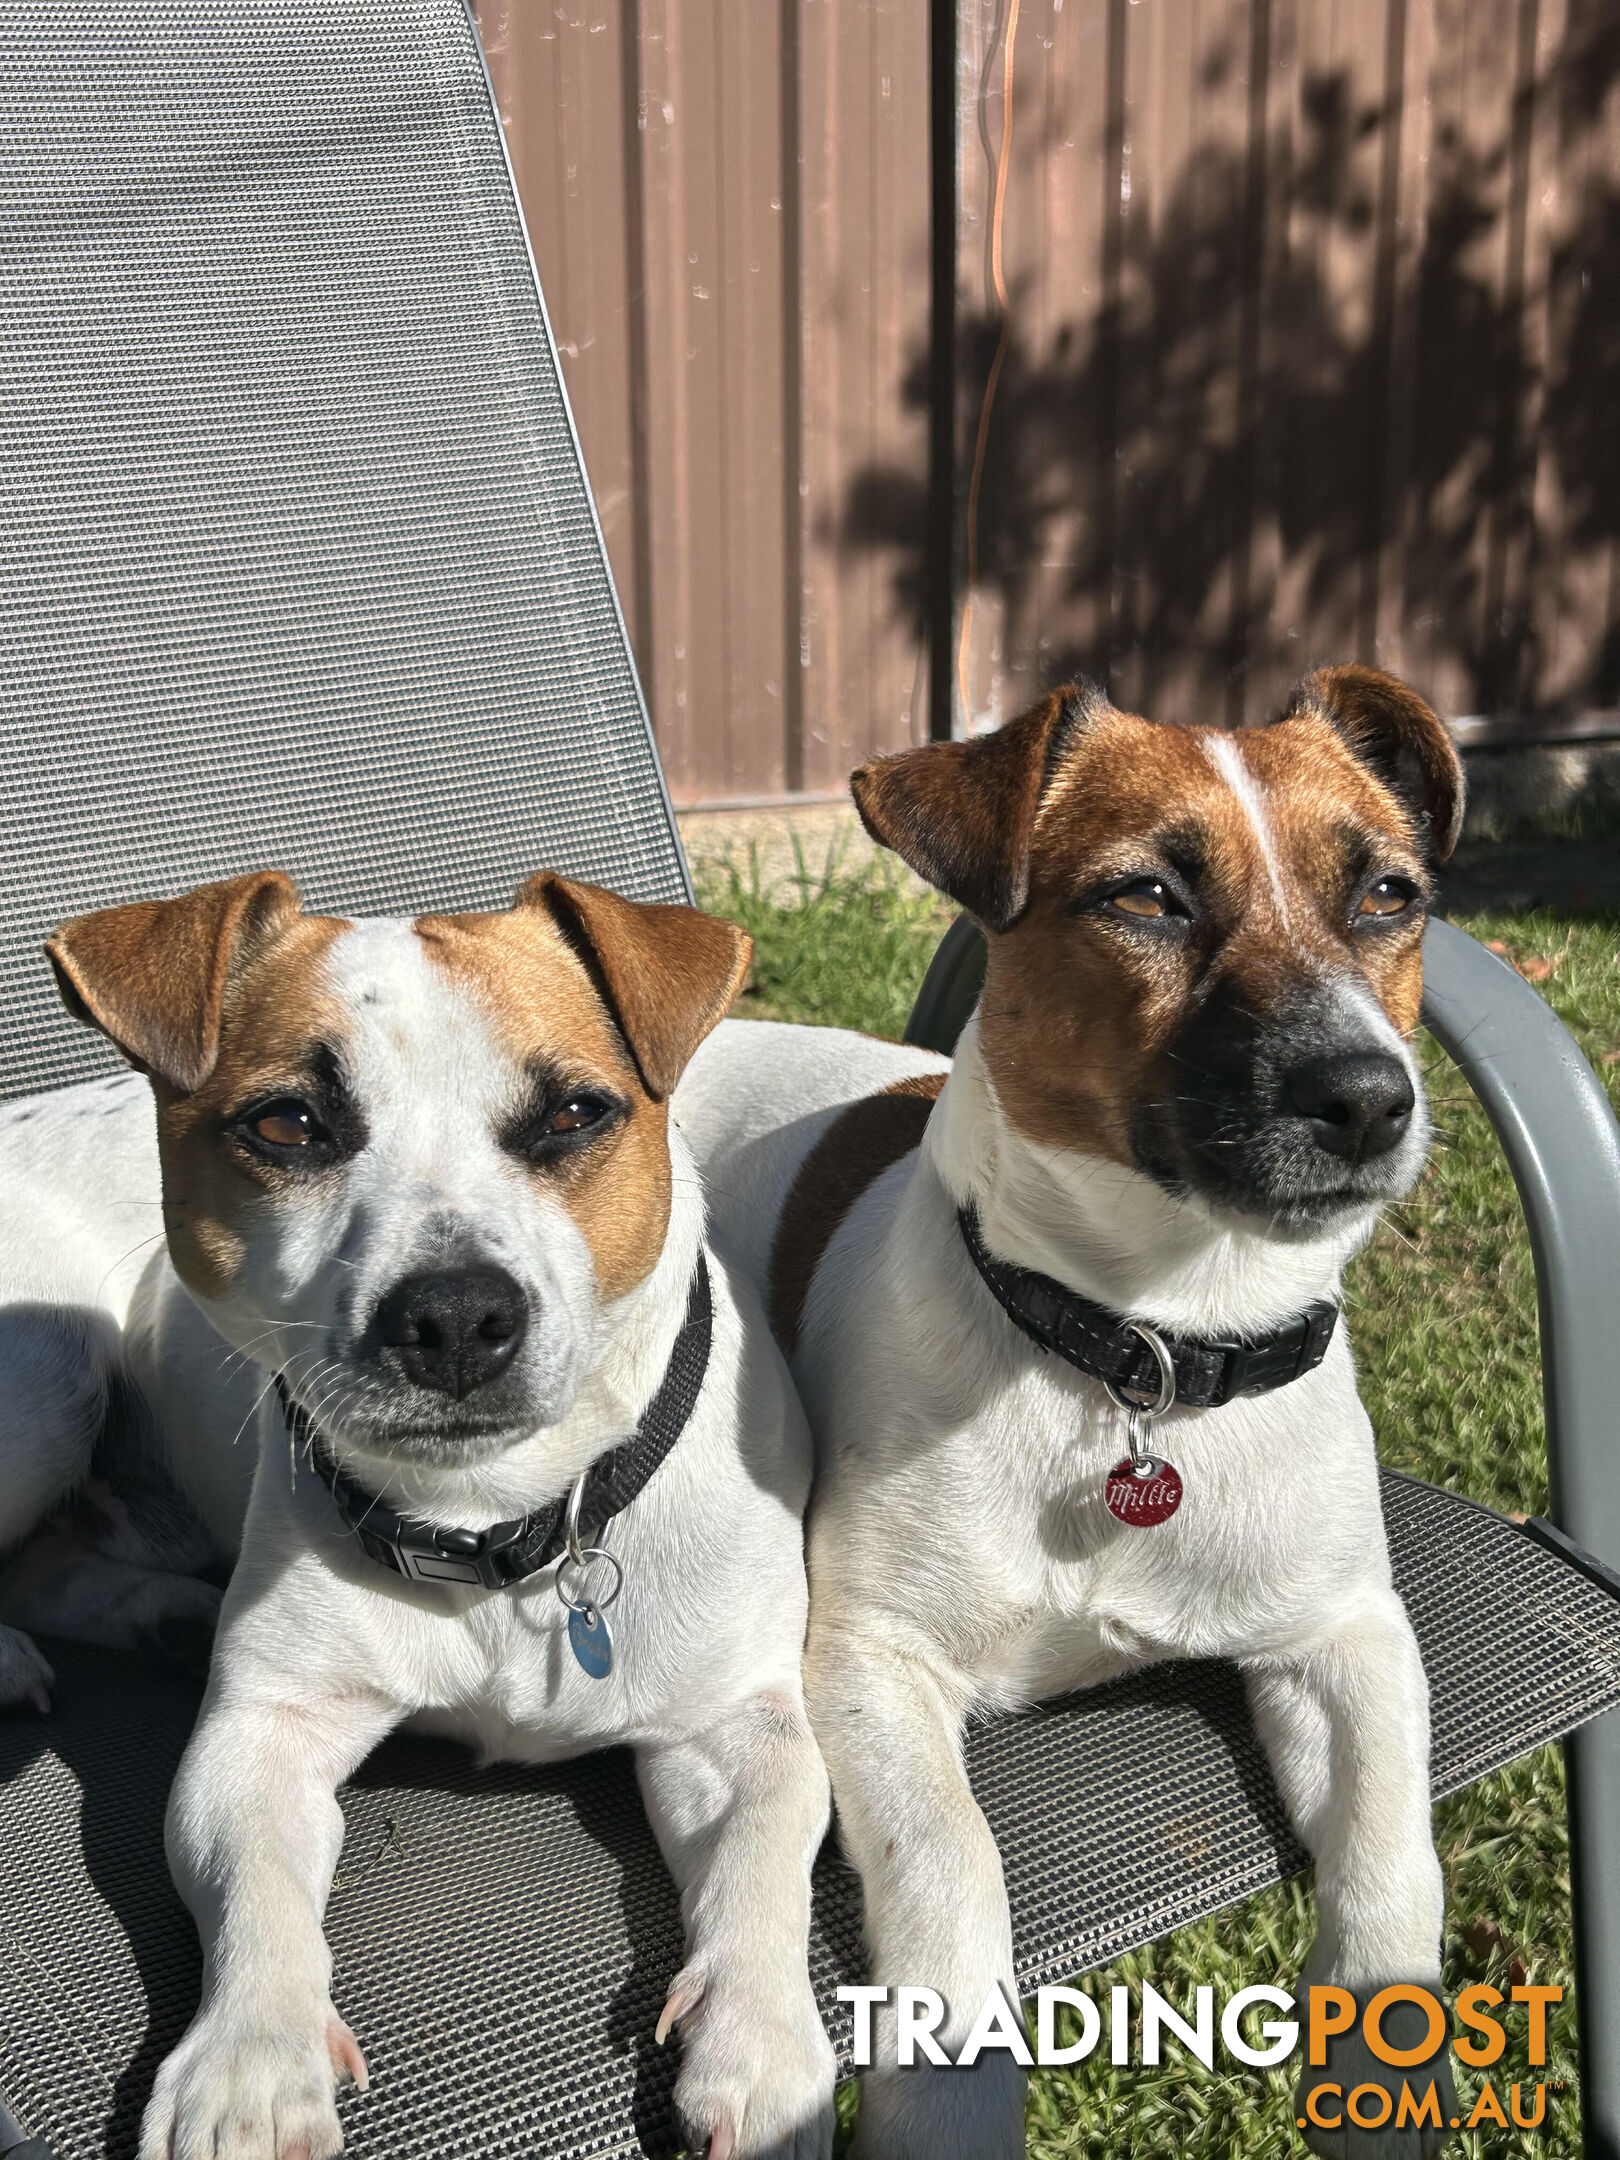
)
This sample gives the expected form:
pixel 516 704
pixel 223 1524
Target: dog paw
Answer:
pixel 757 2070
pixel 25 1678
pixel 174 1622
pixel 929 2114
pixel 238 2088
pixel 1357 2107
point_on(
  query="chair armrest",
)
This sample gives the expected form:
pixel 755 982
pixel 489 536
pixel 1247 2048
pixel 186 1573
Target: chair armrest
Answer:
pixel 1552 1116
pixel 950 989
pixel 16 2144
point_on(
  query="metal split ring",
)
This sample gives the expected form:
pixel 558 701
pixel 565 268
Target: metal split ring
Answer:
pixel 582 1560
pixel 580 1556
pixel 1143 1413
pixel 1167 1377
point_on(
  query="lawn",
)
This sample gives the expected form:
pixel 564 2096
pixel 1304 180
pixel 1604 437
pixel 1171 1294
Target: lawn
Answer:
pixel 1442 1307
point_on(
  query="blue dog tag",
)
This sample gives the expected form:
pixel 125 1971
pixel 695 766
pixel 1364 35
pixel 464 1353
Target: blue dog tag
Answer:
pixel 590 1641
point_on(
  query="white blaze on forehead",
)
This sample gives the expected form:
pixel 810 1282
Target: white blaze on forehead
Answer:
pixel 431 1082
pixel 1223 753
pixel 430 1075
pixel 428 1072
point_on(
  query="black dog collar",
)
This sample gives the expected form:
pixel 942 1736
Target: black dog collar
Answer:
pixel 509 1551
pixel 1101 1343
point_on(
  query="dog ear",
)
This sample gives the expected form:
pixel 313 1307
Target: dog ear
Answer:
pixel 667 974
pixel 962 814
pixel 1390 728
pixel 152 975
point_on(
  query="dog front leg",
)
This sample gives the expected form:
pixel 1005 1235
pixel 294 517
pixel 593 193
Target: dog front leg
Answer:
pixel 253 1834
pixel 936 1905
pixel 739 1812
pixel 1346 1727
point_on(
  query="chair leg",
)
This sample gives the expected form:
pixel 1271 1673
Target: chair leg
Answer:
pixel 1593 1759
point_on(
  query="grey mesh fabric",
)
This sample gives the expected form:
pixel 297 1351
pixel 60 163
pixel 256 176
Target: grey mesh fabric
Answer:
pixel 298 567
pixel 504 1939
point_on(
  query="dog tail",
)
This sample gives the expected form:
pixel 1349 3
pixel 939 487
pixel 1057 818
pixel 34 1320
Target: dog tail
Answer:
pixel 59 1368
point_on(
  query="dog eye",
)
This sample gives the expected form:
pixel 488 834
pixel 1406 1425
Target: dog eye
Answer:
pixel 578 1114
pixel 287 1124
pixel 551 1130
pixel 1390 896
pixel 1147 899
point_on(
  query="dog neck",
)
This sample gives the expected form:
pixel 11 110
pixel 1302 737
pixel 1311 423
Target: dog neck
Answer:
pixel 1113 1234
pixel 635 1337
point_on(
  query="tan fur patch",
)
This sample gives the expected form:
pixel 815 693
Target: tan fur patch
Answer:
pixel 273 1016
pixel 855 1150
pixel 540 998
pixel 152 974
pixel 669 973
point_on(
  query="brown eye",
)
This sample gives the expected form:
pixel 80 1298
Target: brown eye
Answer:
pixel 1390 896
pixel 287 1125
pixel 575 1116
pixel 548 1129
pixel 1147 898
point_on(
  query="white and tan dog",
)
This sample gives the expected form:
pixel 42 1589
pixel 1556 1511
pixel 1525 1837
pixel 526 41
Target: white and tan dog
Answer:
pixel 424 1172
pixel 1185 1094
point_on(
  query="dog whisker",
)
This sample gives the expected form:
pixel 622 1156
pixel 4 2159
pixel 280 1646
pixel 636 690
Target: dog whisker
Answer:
pixel 155 1239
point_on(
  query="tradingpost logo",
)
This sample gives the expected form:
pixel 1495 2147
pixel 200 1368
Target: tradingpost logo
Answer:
pixel 1136 2034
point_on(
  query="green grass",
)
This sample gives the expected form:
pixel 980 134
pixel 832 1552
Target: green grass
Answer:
pixel 833 947
pixel 1442 1306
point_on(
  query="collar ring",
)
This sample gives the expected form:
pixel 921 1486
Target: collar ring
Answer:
pixel 1133 1399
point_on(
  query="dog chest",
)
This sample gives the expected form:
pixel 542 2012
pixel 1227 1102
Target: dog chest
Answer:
pixel 994 1538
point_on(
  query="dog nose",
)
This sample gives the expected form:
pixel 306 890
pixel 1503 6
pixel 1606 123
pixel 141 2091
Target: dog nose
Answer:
pixel 454 1332
pixel 1357 1103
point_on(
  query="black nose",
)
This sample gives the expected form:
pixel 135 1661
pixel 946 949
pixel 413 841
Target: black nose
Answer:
pixel 453 1332
pixel 1357 1103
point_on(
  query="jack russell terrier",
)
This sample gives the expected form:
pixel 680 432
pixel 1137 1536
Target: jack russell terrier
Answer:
pixel 1063 1315
pixel 530 1473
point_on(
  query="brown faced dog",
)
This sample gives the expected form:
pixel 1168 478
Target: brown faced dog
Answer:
pixel 1068 1334
pixel 421 1177
pixel 1185 923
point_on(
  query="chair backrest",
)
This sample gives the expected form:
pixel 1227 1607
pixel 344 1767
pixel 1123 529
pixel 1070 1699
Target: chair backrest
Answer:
pixel 298 566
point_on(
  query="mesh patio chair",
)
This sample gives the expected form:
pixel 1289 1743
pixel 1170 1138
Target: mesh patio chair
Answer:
pixel 300 567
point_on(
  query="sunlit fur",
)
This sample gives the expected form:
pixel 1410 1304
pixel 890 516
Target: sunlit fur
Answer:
pixel 437 1030
pixel 961 1555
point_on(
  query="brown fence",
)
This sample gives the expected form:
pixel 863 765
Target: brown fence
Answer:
pixel 1310 344
pixel 729 204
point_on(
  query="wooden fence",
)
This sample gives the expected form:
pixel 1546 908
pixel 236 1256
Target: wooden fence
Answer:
pixel 728 201
pixel 1310 339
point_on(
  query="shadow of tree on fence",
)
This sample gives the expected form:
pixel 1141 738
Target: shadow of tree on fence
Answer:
pixel 1244 459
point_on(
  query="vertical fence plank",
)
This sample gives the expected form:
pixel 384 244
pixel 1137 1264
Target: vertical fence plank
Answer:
pixel 1578 479
pixel 864 252
pixel 1041 606
pixel 560 88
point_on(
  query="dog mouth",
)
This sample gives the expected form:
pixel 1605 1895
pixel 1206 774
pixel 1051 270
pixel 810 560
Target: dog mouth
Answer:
pixel 1292 1143
pixel 1278 1197
pixel 351 1411
pixel 1300 1215
pixel 443 1368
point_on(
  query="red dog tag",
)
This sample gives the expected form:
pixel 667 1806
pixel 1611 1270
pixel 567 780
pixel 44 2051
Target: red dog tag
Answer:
pixel 1145 1496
